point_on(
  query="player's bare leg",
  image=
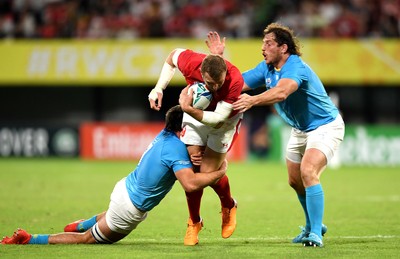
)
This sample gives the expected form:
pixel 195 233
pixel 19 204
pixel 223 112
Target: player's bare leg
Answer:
pixel 212 160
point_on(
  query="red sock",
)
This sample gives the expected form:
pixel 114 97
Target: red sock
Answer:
pixel 223 191
pixel 193 200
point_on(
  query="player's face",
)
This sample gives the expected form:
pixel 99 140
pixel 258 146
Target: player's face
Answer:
pixel 271 51
pixel 213 85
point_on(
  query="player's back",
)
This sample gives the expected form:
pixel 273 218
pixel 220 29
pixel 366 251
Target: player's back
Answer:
pixel 154 176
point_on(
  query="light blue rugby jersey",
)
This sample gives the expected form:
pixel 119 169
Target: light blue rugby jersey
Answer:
pixel 154 176
pixel 309 106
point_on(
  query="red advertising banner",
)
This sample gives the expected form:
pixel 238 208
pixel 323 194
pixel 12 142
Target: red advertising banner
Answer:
pixel 128 141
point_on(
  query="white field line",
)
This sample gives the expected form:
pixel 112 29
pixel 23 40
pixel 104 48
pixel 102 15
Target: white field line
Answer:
pixel 388 60
pixel 162 240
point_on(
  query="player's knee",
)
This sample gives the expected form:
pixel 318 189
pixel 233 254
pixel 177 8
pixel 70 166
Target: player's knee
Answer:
pixel 296 185
pixel 308 174
pixel 97 236
pixel 292 183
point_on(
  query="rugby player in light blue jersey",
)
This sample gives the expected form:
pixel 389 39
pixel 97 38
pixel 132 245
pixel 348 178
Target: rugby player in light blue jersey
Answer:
pixel 165 161
pixel 299 97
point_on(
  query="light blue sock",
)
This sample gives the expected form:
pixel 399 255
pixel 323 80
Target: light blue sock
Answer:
pixel 87 224
pixel 302 199
pixel 39 240
pixel 315 207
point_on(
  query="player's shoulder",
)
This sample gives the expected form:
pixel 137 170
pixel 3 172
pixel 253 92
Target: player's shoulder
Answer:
pixel 295 60
pixel 176 149
pixel 260 67
pixel 173 141
pixel 233 71
pixel 191 53
pixel 190 59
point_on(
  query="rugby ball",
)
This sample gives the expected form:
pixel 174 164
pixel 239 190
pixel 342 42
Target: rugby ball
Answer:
pixel 201 96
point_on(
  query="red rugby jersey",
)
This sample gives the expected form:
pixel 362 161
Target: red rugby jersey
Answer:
pixel 189 63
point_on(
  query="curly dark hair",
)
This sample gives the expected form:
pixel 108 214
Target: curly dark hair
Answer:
pixel 284 35
pixel 173 119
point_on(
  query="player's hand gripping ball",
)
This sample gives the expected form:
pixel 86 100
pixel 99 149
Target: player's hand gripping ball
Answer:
pixel 201 96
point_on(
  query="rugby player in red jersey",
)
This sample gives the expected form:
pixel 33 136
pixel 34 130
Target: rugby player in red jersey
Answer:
pixel 209 133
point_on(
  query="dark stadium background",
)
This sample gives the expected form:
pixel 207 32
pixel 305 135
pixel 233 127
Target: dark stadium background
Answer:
pixel 52 106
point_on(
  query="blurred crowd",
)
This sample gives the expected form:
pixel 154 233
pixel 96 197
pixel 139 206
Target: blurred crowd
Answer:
pixel 130 19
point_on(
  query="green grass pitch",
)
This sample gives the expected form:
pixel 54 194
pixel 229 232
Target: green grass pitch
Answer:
pixel 362 212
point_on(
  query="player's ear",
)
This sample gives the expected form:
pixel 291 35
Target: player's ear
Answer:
pixel 284 48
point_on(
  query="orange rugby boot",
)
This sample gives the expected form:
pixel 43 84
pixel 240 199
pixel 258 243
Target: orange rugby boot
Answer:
pixel 192 232
pixel 20 237
pixel 73 227
pixel 228 220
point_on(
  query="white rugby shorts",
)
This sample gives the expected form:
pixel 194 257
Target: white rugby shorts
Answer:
pixel 325 138
pixel 220 140
pixel 122 216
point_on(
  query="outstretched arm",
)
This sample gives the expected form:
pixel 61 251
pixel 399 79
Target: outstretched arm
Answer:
pixel 283 89
pixel 214 43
